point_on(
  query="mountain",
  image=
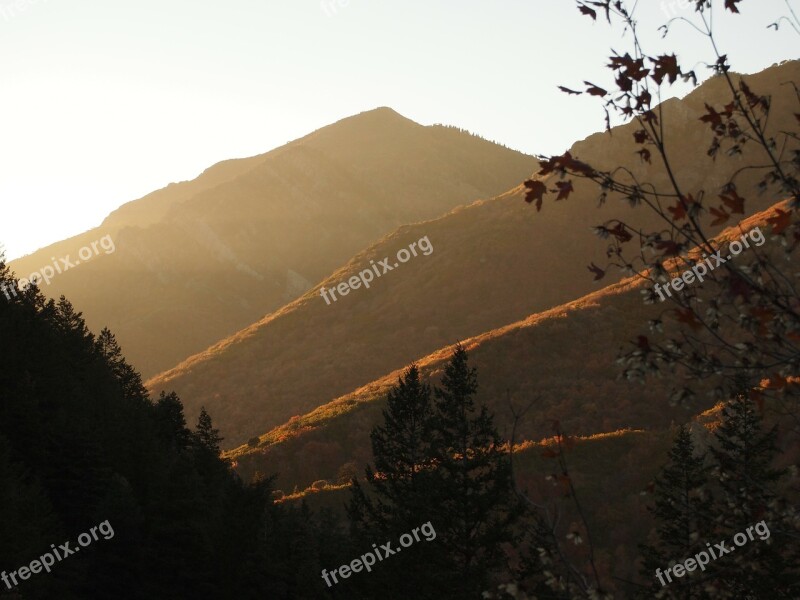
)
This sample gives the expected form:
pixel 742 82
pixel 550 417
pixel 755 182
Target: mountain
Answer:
pixel 200 260
pixel 493 262
pixel 562 361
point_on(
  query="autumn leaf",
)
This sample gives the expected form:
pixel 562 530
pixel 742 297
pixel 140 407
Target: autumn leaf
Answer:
pixel 536 190
pixel 641 136
pixel 669 247
pixel 666 66
pixel 731 5
pixel 644 153
pixel 712 117
pixel 585 10
pixel 569 91
pixel 678 211
pixel 733 201
pixel 780 221
pixel 594 90
pixel 622 234
pixel 687 316
pixel 564 189
pixel 721 216
pixel 598 272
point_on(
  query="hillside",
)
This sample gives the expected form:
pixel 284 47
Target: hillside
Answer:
pixel 562 360
pixel 199 260
pixel 493 263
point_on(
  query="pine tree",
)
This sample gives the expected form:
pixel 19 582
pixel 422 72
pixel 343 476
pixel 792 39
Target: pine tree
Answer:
pixel 205 434
pixel 473 507
pixel 749 495
pixel 683 513
pixel 398 497
pixel 401 448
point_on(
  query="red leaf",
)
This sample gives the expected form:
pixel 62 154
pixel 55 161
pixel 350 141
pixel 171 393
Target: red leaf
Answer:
pixel 669 247
pixel 678 211
pixel 721 216
pixel 731 5
pixel 780 221
pixel 564 189
pixel 598 272
pixel 644 153
pixel 588 11
pixel 569 91
pixel 594 90
pixel 622 234
pixel 712 117
pixel 733 201
pixel 641 136
pixel 536 190
pixel 686 315
pixel 666 66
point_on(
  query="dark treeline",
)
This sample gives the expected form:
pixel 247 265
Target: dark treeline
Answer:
pixel 81 443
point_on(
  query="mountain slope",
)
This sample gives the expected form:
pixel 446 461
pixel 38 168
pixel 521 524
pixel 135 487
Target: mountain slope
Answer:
pixel 562 360
pixel 494 262
pixel 200 260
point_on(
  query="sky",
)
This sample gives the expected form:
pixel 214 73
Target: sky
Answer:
pixel 104 101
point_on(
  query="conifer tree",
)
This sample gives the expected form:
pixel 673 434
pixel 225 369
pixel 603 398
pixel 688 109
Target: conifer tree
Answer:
pixel 208 437
pixel 401 448
pixel 473 507
pixel 683 513
pixel 744 453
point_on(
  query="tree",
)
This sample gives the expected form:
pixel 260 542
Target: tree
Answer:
pixel 399 488
pixel 207 437
pixel 402 451
pixel 684 517
pixel 473 507
pixel 745 455
pixel 737 315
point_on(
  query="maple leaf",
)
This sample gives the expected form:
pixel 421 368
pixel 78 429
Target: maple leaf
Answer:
pixel 733 201
pixel 536 190
pixel 641 136
pixel 644 153
pixel 721 216
pixel 712 117
pixel 564 189
pixel 598 272
pixel 669 247
pixel 687 316
pixel 622 234
pixel 780 221
pixel 569 91
pixel 678 211
pixel 666 66
pixel 594 90
pixel 731 5
pixel 585 10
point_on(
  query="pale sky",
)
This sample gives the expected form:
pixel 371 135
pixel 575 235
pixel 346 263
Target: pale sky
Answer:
pixel 103 101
